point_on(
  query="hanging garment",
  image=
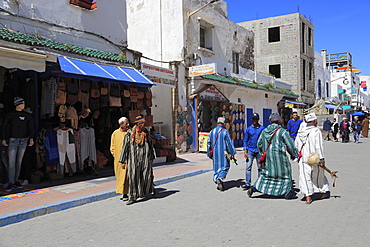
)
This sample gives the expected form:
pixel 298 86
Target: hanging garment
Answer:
pixel 77 136
pixel 88 149
pixel 49 96
pixel 51 149
pixel 72 115
pixel 66 147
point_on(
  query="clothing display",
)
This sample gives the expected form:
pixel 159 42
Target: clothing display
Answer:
pixel 66 148
pixel 49 96
pixel 88 149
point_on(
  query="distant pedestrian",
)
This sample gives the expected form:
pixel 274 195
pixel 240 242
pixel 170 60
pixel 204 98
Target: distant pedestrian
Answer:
pixel 327 127
pixel 116 145
pixel 356 126
pixel 344 130
pixel 138 155
pixel 335 128
pixel 276 175
pixel 219 142
pixel 311 178
pixel 365 127
pixel 293 125
pixel 252 133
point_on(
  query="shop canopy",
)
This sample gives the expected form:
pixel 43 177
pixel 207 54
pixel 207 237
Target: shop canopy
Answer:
pixel 94 71
pixel 20 59
pixel 332 107
pixel 358 113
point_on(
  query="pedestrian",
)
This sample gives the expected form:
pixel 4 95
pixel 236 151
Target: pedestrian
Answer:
pixel 356 126
pixel 19 129
pixel 138 155
pixel 276 175
pixel 116 145
pixel 365 127
pixel 312 179
pixel 334 128
pixel 344 130
pixel 327 127
pixel 219 145
pixel 293 125
pixel 252 133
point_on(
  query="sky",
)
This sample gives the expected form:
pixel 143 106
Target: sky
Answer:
pixel 339 26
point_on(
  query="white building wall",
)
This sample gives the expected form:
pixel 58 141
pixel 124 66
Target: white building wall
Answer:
pixel 322 77
pixel 102 28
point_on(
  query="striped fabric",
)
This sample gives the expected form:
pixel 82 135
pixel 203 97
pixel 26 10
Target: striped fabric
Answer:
pixel 293 127
pixel 276 176
pixel 221 164
pixel 139 164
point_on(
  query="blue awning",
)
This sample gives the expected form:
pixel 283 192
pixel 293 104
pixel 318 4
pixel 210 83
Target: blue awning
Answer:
pixel 332 107
pixel 358 113
pixel 94 71
pixel 292 102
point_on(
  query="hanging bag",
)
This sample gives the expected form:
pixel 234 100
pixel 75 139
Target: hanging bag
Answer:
pixel 262 160
pixel 95 91
pixel 300 151
pixel 114 97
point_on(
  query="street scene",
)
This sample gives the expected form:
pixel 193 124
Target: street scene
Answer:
pixel 192 212
pixel 184 123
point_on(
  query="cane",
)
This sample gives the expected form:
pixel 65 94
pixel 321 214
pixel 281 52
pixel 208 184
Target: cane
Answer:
pixel 332 173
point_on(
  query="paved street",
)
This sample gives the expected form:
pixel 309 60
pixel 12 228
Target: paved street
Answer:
pixel 191 212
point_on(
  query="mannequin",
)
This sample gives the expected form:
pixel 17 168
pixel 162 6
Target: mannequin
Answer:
pixel 18 127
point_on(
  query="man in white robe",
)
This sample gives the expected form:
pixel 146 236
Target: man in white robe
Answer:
pixel 312 180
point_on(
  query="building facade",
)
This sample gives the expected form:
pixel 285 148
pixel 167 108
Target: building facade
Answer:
pixel 284 48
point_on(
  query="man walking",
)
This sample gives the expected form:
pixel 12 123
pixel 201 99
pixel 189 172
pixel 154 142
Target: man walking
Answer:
pixel 356 128
pixel 252 133
pixel 365 127
pixel 138 155
pixel 335 127
pixel 327 127
pixel 116 144
pixel 344 130
pixel 276 175
pixel 312 179
pixel 293 125
pixel 219 142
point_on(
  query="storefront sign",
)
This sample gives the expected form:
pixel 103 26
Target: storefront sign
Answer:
pixel 203 69
pixel 159 72
pixel 203 140
pixel 211 93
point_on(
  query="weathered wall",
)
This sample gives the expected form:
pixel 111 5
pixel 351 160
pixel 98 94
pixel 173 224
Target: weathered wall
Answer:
pixel 323 75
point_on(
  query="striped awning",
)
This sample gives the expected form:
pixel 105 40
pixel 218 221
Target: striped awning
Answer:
pixel 95 71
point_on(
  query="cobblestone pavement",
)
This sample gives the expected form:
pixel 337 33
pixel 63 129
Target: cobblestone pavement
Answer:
pixel 191 212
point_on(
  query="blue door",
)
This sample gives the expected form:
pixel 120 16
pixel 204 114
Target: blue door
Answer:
pixel 266 115
pixel 249 117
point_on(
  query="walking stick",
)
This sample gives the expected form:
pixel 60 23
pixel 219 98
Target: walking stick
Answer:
pixel 332 173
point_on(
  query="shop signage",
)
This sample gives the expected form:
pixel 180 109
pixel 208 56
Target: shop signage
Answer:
pixel 203 140
pixel 203 69
pixel 159 72
pixel 212 93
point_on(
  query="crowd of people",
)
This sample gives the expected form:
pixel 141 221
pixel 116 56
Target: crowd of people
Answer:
pixel 273 146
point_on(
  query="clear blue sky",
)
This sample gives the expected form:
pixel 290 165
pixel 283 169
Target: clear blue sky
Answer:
pixel 339 26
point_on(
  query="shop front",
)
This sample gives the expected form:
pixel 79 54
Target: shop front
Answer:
pixel 287 107
pixel 75 105
pixel 207 105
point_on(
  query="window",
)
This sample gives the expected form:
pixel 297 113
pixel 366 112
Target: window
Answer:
pixel 319 88
pixel 327 89
pixel 235 62
pixel 310 71
pixel 274 34
pixel 205 37
pixel 303 74
pixel 303 37
pixel 275 70
pixel 86 4
pixel 309 36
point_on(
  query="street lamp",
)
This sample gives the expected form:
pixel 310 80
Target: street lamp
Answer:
pixel 195 11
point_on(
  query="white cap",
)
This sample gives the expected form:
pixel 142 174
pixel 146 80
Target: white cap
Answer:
pixel 310 117
pixel 122 119
pixel 221 120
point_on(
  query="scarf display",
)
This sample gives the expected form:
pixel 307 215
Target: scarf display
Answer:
pixel 138 136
